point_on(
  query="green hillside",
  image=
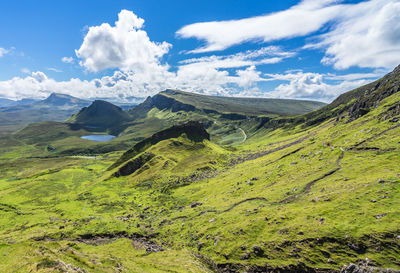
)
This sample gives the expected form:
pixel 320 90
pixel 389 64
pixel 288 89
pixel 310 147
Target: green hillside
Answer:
pixel 246 106
pixel 100 114
pixel 271 193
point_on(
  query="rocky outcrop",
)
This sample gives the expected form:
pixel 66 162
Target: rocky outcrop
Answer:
pixel 371 97
pixel 365 266
pixel 133 165
pixel 161 102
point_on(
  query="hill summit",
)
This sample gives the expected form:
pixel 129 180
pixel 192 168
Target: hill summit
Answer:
pixel 58 99
pixel 100 114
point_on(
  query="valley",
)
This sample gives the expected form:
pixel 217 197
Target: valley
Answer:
pixel 195 183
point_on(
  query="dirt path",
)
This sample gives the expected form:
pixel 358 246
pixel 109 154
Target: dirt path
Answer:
pixel 243 201
pixel 308 186
pixel 377 135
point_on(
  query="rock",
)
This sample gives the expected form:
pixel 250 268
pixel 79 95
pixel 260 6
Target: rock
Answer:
pixel 250 183
pixel 243 247
pixel 258 251
pixel 212 220
pixel 195 204
pixel 200 245
pixel 364 267
pixel 254 179
pixel 245 256
pixel 300 233
pixel 379 216
pixel 216 240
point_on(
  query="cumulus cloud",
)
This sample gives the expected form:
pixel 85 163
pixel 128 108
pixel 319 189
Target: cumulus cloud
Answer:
pixel 304 18
pixel 203 80
pixel 67 60
pixel 314 86
pixel 125 46
pixel 365 35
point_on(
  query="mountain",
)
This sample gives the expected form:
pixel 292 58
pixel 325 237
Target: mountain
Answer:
pixel 176 100
pixel 225 118
pixel 227 192
pixel 57 107
pixel 56 99
pixel 7 102
pixel 100 114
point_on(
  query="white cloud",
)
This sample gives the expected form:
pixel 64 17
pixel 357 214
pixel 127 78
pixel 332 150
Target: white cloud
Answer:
pixel 204 80
pixel 353 76
pixel 313 86
pixel 304 18
pixel 67 60
pixel 365 35
pixel 265 55
pixel 3 52
pixel 39 76
pixel 54 69
pixel 125 46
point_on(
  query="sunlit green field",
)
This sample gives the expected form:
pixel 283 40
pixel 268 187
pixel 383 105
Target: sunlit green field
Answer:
pixel 323 196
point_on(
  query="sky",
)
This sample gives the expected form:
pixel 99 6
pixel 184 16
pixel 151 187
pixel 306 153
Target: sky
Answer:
pixel 127 50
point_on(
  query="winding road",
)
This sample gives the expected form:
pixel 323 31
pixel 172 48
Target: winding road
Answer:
pixel 244 135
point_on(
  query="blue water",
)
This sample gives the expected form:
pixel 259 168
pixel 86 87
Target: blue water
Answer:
pixel 98 137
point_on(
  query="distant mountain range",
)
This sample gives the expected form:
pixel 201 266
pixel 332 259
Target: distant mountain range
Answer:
pixel 7 102
pixel 57 107
pixel 15 115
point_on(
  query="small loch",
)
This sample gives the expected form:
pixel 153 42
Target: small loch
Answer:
pixel 98 137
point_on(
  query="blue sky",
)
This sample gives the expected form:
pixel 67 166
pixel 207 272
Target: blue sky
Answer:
pixel 310 49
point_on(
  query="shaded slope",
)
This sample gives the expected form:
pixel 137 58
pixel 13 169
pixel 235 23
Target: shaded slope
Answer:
pixel 193 130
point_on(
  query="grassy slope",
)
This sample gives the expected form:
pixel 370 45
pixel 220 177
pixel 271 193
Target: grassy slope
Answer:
pixel 311 195
pixel 246 106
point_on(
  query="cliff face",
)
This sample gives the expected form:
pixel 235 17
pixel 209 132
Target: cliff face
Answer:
pixel 160 102
pixel 371 97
